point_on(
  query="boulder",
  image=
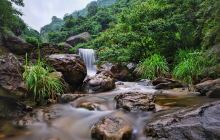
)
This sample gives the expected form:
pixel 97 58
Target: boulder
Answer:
pixel 120 72
pixel 17 45
pixel 48 49
pixel 80 38
pixel 65 98
pixel 135 102
pixel 65 47
pixel 200 123
pixel 11 74
pixel 211 88
pixel 112 128
pixel 165 83
pixel 71 66
pixel 101 82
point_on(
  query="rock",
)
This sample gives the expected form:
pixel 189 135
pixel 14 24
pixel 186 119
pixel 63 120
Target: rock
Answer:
pixel 135 102
pixel 48 49
pixel 112 128
pixel 210 88
pixel 11 74
pixel 65 98
pixel 80 38
pixel 101 82
pixel 120 72
pixel 200 123
pixel 59 75
pixel 89 106
pixel 11 108
pixel 65 47
pixel 71 66
pixel 17 45
pixel 165 83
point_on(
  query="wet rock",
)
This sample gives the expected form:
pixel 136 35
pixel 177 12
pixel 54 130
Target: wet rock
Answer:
pixel 211 88
pixel 201 123
pixel 135 102
pixel 165 83
pixel 112 128
pixel 80 38
pixel 17 45
pixel 71 66
pixel 101 82
pixel 89 106
pixel 11 74
pixel 65 98
pixel 11 108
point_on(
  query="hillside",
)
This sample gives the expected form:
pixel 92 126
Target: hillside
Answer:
pixel 56 24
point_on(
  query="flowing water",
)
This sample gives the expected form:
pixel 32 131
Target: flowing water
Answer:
pixel 88 56
pixel 68 122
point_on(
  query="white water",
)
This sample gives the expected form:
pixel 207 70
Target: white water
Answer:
pixel 88 56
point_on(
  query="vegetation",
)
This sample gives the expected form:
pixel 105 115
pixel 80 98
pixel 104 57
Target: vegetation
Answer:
pixel 93 19
pixel 10 21
pixel 137 31
pixel 154 66
pixel 32 40
pixel 42 82
pixel 192 65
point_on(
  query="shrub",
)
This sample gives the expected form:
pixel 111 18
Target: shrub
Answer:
pixel 32 40
pixel 154 66
pixel 42 82
pixel 192 65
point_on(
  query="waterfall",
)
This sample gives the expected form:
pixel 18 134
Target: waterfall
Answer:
pixel 88 56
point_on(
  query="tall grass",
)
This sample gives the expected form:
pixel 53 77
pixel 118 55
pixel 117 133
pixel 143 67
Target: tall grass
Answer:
pixel 192 65
pixel 154 66
pixel 41 81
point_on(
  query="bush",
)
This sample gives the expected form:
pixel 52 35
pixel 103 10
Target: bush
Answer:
pixel 32 40
pixel 192 66
pixel 42 82
pixel 155 66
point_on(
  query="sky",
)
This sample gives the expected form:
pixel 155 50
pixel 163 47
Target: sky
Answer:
pixel 38 13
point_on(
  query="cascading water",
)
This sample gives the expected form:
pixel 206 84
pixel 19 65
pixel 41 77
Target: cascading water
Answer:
pixel 88 56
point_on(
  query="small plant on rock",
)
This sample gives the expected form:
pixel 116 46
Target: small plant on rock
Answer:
pixel 42 82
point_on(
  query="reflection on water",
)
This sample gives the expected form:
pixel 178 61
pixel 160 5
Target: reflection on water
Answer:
pixel 67 122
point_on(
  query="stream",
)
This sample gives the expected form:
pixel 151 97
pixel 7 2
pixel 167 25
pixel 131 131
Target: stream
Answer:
pixel 68 122
pixel 72 122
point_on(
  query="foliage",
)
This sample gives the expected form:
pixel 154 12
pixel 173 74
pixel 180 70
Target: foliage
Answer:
pixel 32 40
pixel 154 66
pixel 42 82
pixel 146 27
pixel 95 18
pixel 57 37
pixel 192 65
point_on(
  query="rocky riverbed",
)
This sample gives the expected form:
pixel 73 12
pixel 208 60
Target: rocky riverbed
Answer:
pixel 133 110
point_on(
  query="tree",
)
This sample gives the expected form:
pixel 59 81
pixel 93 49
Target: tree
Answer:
pixel 92 8
pixel 8 12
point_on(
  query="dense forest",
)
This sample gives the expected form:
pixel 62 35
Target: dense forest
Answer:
pixel 105 67
pixel 165 31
